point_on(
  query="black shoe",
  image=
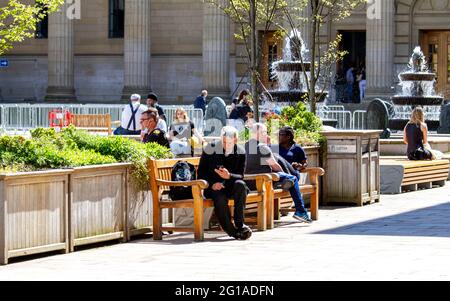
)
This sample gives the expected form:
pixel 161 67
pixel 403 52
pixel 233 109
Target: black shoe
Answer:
pixel 243 233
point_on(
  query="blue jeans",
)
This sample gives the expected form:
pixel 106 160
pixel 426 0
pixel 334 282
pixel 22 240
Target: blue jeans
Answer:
pixel 294 191
pixel 349 92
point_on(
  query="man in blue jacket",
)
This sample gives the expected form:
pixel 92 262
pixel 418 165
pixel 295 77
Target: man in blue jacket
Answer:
pixel 200 101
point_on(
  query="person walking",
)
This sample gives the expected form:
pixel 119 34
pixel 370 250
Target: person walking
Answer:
pixel 200 101
pixel 350 78
pixel 361 78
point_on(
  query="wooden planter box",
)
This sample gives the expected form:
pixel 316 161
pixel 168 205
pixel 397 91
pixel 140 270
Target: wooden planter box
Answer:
pixel 33 213
pixel 352 167
pixel 98 204
pixel 105 205
pixel 140 210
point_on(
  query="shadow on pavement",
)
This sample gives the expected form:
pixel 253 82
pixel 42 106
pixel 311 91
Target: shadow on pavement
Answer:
pixel 431 221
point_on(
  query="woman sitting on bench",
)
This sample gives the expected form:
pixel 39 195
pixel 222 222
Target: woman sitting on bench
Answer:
pixel 415 135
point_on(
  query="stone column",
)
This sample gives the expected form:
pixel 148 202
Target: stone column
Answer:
pixel 216 51
pixel 137 56
pixel 61 86
pixel 380 48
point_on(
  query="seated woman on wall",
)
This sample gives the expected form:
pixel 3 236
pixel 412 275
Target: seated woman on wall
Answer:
pixel 415 135
pixel 183 135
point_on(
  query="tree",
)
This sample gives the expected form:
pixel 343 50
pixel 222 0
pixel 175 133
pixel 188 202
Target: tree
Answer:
pixel 323 56
pixel 249 15
pixel 285 16
pixel 18 20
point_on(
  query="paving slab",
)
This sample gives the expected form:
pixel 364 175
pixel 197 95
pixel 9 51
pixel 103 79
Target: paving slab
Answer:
pixel 404 237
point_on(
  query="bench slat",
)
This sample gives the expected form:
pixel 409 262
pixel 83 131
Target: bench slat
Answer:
pixel 425 168
pixel 411 164
pixel 423 173
pixel 425 179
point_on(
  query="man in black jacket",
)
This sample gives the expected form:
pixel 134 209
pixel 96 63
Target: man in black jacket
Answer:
pixel 222 165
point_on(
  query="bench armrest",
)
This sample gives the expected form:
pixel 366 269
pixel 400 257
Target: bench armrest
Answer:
pixel 275 177
pixel 202 184
pixel 314 170
pixel 264 176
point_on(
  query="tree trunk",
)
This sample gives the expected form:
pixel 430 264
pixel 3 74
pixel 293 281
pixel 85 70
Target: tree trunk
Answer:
pixel 314 44
pixel 254 60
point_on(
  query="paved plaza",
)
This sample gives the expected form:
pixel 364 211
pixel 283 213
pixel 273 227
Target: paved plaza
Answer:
pixel 404 237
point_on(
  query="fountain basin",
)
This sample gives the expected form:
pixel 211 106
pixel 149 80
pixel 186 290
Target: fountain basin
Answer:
pixel 418 100
pixel 417 76
pixel 294 96
pixel 292 66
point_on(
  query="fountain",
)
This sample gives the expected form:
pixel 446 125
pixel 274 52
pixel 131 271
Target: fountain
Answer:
pixel 289 72
pixel 417 90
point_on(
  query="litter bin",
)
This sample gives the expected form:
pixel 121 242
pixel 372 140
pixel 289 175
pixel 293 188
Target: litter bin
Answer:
pixel 352 167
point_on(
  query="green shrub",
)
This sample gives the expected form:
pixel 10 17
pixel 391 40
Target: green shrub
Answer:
pixel 72 148
pixel 307 125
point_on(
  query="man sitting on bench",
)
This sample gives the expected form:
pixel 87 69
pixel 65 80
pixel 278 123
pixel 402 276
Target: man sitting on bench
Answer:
pixel 260 159
pixel 222 165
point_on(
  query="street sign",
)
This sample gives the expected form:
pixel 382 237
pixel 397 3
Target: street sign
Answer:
pixel 4 63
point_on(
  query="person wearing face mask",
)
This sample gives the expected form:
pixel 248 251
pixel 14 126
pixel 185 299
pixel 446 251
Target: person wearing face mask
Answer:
pixel 131 115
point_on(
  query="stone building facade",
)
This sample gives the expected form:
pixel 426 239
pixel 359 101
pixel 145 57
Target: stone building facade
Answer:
pixel 179 47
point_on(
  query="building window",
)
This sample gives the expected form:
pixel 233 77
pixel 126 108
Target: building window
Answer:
pixel 42 26
pixel 116 18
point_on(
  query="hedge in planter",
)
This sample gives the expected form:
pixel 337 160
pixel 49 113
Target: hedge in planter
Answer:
pixel 73 148
pixel 307 125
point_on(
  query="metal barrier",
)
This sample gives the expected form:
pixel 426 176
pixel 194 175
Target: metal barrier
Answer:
pixel 344 118
pixel 195 115
pixel 19 117
pixel 359 120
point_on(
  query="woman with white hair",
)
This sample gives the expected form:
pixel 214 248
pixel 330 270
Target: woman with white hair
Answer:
pixel 131 116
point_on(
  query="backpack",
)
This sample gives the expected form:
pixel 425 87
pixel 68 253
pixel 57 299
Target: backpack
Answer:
pixel 182 171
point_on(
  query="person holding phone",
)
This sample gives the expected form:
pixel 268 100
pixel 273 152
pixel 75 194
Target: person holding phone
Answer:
pixel 222 165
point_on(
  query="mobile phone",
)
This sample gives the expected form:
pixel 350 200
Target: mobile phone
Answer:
pixel 219 166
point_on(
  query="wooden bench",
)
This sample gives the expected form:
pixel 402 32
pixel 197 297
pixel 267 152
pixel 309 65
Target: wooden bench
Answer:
pixel 283 200
pixel 401 174
pixel 160 181
pixel 92 122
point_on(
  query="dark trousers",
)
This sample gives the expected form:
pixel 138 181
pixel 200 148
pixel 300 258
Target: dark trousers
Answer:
pixel 121 131
pixel 238 192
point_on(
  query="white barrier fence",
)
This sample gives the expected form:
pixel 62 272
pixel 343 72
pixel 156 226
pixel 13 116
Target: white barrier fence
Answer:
pixel 22 117
pixel 359 120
